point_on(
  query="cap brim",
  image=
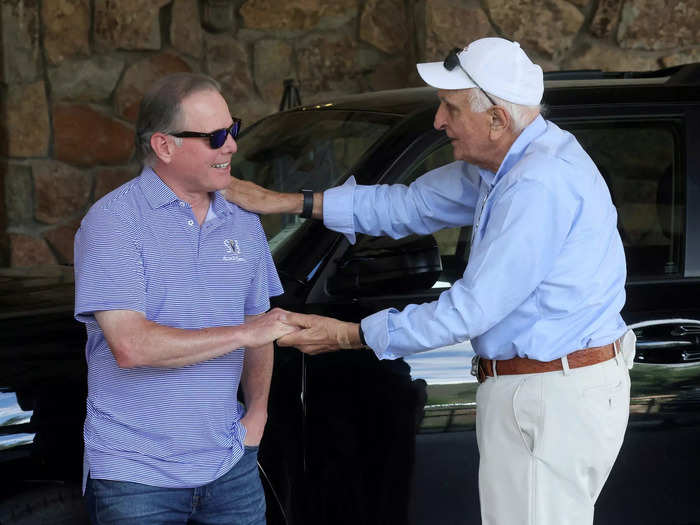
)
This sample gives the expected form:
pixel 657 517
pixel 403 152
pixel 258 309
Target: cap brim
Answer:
pixel 434 74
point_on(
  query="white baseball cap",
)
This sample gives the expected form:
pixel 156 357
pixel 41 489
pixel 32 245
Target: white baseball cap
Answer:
pixel 495 65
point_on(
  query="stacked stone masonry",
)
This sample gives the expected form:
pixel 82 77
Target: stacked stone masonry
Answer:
pixel 72 73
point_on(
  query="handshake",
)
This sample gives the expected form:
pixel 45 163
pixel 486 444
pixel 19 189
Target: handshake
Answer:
pixel 312 334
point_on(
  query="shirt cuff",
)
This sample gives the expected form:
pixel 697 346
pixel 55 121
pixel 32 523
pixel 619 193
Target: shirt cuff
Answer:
pixel 376 331
pixel 338 209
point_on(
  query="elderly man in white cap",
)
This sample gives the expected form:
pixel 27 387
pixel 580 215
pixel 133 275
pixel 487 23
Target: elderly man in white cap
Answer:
pixel 540 298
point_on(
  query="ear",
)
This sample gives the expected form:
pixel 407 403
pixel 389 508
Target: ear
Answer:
pixel 500 122
pixel 163 146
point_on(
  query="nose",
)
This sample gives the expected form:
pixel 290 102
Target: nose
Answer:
pixel 439 122
pixel 230 146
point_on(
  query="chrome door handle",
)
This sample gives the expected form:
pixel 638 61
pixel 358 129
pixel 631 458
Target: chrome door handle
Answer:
pixel 649 345
pixel 667 341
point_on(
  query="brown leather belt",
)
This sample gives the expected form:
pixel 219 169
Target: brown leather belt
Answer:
pixel 522 365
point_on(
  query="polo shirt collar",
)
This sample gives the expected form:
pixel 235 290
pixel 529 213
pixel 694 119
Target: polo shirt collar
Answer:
pixel 159 194
pixel 220 205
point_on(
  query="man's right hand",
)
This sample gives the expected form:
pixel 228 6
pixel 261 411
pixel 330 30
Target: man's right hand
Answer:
pixel 321 334
pixel 257 199
pixel 268 327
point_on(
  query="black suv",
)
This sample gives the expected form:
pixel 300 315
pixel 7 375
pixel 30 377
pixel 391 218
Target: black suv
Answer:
pixel 352 439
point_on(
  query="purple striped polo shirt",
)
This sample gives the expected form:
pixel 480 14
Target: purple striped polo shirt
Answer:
pixel 140 248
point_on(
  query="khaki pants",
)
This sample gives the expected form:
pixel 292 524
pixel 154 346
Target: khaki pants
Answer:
pixel 548 441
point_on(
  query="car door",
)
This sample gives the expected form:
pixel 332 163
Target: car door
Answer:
pixel 398 436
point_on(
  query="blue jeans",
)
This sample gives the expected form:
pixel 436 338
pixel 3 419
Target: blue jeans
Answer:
pixel 236 498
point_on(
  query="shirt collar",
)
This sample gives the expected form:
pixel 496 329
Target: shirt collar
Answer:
pixel 156 191
pixel 159 194
pixel 219 205
pixel 517 149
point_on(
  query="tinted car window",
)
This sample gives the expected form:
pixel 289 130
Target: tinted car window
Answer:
pixel 449 238
pixel 453 243
pixel 300 150
pixel 640 162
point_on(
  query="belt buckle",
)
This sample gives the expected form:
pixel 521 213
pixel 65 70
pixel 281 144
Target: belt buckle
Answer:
pixel 477 371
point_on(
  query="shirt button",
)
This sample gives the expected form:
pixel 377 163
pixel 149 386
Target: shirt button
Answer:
pixel 182 204
pixel 190 222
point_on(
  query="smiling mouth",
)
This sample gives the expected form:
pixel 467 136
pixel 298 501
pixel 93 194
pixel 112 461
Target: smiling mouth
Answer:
pixel 222 165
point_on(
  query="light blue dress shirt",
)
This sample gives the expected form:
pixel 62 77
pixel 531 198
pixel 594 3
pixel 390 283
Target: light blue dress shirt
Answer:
pixel 546 270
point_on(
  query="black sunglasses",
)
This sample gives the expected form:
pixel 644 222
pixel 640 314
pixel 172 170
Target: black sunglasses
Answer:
pixel 216 137
pixel 452 61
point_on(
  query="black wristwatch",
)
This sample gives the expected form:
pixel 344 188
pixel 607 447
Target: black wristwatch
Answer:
pixel 362 337
pixel 308 206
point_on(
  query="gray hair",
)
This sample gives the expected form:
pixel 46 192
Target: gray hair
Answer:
pixel 161 109
pixel 520 115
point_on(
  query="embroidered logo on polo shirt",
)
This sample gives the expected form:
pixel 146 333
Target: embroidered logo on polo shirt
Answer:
pixel 233 250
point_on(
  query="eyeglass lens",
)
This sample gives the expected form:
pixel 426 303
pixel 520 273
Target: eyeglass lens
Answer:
pixel 218 137
pixel 452 60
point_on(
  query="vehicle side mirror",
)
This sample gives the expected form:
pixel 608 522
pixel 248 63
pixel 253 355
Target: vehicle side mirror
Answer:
pixel 381 265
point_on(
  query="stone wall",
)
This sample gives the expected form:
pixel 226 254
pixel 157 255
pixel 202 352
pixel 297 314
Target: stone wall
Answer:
pixel 72 73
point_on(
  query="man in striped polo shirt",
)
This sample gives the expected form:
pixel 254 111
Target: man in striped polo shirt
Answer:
pixel 173 285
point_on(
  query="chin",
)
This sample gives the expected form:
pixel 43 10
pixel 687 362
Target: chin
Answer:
pixel 223 173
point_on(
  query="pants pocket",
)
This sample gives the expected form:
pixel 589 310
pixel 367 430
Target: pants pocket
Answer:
pixel 528 411
pixel 606 409
pixel 611 393
pixel 603 397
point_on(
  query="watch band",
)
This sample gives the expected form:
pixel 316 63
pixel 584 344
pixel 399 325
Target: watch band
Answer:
pixel 362 337
pixel 308 205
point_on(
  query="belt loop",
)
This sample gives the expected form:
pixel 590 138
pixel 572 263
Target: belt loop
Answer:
pixel 493 367
pixel 618 354
pixel 565 365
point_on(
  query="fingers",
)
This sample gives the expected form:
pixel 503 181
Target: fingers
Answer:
pixel 300 337
pixel 310 349
pixel 285 330
pixel 292 319
pixel 245 194
pixel 315 334
pixel 310 341
pixel 254 432
pixel 232 185
pixel 316 349
pixel 281 314
pixel 265 328
pixel 296 319
pixel 302 320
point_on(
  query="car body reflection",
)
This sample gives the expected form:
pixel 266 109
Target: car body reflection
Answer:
pixel 13 420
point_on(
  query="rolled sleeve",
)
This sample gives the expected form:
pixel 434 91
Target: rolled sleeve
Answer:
pixel 338 209
pixel 374 329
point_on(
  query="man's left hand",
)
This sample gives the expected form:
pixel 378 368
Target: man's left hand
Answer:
pixel 320 334
pixel 254 422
